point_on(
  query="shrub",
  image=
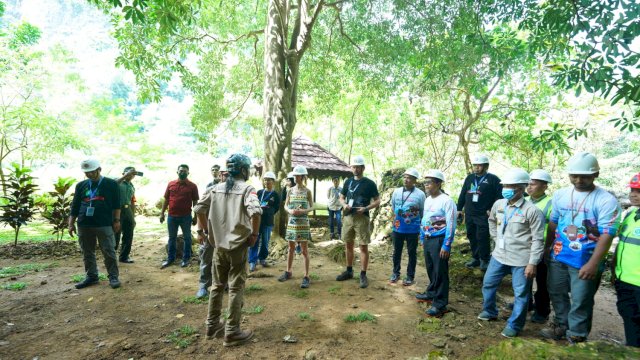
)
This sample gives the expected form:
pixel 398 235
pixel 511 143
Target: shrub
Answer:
pixel 58 209
pixel 19 207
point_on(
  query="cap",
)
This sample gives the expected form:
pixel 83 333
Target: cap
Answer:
pixel 89 165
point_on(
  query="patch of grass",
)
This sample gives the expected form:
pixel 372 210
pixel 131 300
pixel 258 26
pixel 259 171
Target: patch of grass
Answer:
pixel 363 316
pixel 300 294
pixel 304 316
pixel 314 276
pixel 80 277
pixel 258 309
pixel 429 325
pixel 16 286
pixel 335 290
pixel 253 288
pixel 195 300
pixel 182 337
pixel 337 253
pixel 259 275
pixel 23 269
pixel 37 230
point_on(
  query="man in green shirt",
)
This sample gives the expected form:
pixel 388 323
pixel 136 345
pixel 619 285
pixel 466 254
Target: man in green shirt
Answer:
pixel 127 217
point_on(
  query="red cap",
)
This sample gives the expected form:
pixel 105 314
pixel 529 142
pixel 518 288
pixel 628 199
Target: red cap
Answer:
pixel 635 181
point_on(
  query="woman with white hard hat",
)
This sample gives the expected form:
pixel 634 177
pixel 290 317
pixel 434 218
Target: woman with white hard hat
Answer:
pixel 298 204
pixel 437 230
pixel 270 204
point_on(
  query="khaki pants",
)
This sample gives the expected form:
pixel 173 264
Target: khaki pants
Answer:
pixel 356 226
pixel 230 267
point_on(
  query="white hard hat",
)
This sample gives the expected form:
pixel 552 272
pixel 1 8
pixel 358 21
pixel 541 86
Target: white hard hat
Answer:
pixel 299 170
pixel 583 163
pixel 89 165
pixel 413 172
pixel 516 176
pixel 479 159
pixel 290 175
pixel 542 175
pixel 436 174
pixel 357 160
pixel 269 175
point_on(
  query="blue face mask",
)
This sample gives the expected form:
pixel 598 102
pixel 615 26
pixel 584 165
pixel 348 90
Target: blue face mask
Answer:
pixel 508 193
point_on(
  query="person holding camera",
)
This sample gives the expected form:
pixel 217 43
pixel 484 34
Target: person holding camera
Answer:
pixel 359 195
pixel 127 213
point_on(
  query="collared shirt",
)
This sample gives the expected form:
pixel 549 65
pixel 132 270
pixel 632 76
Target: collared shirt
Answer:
pixel 229 213
pixel 180 196
pixel 127 193
pixel 333 195
pixel 408 207
pixel 518 231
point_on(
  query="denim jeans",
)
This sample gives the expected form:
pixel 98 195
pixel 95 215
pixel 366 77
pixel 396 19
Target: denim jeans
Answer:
pixel 412 246
pixel 335 217
pixel 575 314
pixel 260 250
pixel 184 223
pixel 521 291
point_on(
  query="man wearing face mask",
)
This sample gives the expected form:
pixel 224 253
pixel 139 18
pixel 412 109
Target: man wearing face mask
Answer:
pixel 517 226
pixel 180 196
pixel 478 194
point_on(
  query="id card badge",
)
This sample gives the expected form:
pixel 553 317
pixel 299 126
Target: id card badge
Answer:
pixel 475 197
pixel 572 232
pixel 350 202
pixel 90 211
pixel 264 204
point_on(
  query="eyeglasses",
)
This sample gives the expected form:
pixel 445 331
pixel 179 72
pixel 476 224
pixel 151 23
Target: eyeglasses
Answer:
pixel 428 182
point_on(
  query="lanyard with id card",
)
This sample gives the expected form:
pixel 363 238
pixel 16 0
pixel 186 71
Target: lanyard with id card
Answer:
pixel 352 191
pixel 474 189
pixel 92 193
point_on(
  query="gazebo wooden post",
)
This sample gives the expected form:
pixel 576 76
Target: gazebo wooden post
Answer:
pixel 314 197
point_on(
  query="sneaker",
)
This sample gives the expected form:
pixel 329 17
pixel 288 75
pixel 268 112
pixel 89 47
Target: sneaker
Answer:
pixel 305 282
pixel 252 267
pixel 394 278
pixel 238 338
pixel 114 282
pixel 423 297
pixel 216 332
pixel 473 263
pixel 408 281
pixel 346 275
pixel 202 292
pixel 285 276
pixel 364 282
pixel 554 331
pixel 484 265
pixel 86 282
pixel 166 264
pixel 509 332
pixel 538 319
pixel 576 339
pixel 485 316
pixel 435 312
pixel 298 249
pixel 264 263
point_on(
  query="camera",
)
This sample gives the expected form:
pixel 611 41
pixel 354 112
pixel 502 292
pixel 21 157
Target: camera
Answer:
pixel 139 173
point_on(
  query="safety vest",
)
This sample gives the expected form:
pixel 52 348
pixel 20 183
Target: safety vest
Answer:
pixel 545 206
pixel 628 251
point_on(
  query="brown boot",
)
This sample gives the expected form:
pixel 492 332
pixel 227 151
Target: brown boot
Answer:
pixel 215 331
pixel 238 338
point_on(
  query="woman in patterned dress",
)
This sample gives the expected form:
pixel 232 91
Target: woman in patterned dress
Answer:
pixel 298 204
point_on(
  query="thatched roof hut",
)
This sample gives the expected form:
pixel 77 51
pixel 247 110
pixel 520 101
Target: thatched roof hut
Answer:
pixel 320 163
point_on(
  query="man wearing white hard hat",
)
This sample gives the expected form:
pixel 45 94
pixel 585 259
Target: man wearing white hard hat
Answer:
pixel 479 192
pixel 517 227
pixel 359 195
pixel 270 204
pixel 584 218
pixel 407 204
pixel 96 207
pixel 540 180
pixel 437 231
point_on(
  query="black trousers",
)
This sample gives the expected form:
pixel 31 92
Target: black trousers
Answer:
pixel 478 235
pixel 127 224
pixel 542 302
pixel 412 247
pixel 629 308
pixel 438 272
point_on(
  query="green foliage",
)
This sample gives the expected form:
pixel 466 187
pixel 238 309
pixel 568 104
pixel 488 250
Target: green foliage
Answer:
pixel 258 309
pixel 523 349
pixel 16 286
pixel 304 316
pixel 253 288
pixel 334 290
pixel 300 294
pixel 183 336
pixel 23 269
pixel 79 277
pixel 314 276
pixel 57 210
pixel 25 34
pixel 362 316
pixel 19 189
pixel 429 325
pixel 195 300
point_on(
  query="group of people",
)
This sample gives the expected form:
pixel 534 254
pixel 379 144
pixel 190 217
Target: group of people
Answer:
pixel 559 240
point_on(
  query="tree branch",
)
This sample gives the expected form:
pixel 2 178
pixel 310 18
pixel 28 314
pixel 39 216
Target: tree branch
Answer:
pixel 253 33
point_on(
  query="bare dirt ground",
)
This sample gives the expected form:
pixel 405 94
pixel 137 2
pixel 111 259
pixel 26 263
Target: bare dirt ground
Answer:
pixel 50 319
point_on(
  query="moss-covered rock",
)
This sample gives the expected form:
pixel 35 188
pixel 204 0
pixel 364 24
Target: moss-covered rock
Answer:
pixel 517 349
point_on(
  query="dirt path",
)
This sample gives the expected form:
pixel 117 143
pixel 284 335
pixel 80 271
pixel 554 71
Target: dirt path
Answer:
pixel 50 319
